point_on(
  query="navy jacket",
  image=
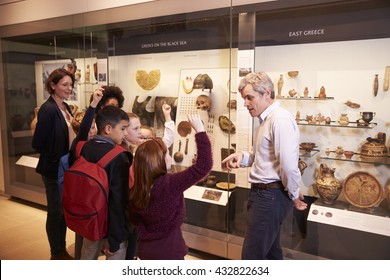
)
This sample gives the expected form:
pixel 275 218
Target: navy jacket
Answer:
pixel 51 138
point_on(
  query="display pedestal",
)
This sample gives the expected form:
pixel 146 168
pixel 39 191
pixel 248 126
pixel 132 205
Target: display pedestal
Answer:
pixel 336 232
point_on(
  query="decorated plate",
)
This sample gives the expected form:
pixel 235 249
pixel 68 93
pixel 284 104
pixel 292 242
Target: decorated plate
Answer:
pixel 226 186
pixel 362 189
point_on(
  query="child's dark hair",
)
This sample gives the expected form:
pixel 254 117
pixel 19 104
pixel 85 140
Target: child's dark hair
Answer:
pixel 110 115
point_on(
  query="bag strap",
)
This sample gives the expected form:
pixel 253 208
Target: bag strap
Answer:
pixel 79 147
pixel 110 155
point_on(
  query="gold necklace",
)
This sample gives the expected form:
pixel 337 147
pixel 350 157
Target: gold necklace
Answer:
pixel 188 91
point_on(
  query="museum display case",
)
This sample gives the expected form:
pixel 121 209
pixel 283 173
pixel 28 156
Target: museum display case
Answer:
pixel 324 64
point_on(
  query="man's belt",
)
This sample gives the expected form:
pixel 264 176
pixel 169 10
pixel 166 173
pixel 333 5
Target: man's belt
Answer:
pixel 272 185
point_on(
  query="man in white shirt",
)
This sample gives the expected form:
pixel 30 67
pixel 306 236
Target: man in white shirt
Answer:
pixel 274 173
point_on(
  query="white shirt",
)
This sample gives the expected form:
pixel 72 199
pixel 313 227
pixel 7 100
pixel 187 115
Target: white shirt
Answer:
pixel 275 152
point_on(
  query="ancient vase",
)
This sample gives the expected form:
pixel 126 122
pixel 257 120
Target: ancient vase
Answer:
pixel 322 94
pixel 211 181
pixel 344 120
pixel 328 187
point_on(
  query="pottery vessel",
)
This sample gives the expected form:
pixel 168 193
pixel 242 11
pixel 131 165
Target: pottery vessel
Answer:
pixel 375 147
pixel 322 94
pixel 348 154
pixel 292 92
pixel 344 120
pixel 302 166
pixel 211 181
pixel 328 187
pixel 367 116
pixel 339 151
pixel 293 74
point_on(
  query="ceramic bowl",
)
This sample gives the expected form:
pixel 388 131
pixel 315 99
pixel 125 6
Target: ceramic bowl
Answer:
pixel 293 74
pixel 307 145
pixel 348 154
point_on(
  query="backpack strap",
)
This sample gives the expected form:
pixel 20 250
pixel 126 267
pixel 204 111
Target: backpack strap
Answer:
pixel 110 155
pixel 79 147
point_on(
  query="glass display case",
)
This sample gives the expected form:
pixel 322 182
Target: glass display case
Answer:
pixel 194 61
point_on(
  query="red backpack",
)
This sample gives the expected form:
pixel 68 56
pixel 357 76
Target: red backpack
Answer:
pixel 85 194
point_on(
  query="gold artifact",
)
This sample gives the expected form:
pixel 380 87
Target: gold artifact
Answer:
pixel 148 81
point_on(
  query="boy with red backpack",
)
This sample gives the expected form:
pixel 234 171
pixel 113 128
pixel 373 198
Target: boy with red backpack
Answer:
pixel 111 123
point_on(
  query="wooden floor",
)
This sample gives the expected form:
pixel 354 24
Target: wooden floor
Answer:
pixel 23 235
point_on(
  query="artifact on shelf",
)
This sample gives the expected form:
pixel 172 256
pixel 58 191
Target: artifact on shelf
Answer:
pixel 77 76
pixel 374 148
pixel 302 166
pixel 306 92
pixel 328 120
pixel 178 156
pixel 363 190
pixel 339 151
pixel 319 118
pixel 327 151
pixel 367 117
pixel 226 186
pixel 307 146
pixel 292 92
pixel 87 74
pixel 211 181
pixel 298 116
pixel 376 85
pixel 322 94
pixel 386 79
pixel 203 102
pixel 232 104
pixel 344 120
pixel 348 154
pixel 351 104
pixel 148 81
pixel 328 187
pixel 226 125
pixel 292 74
pixel 280 85
pixel 203 81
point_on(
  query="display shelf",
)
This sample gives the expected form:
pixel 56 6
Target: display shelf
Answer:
pixel 335 124
pixel 357 157
pixel 303 98
pixel 308 153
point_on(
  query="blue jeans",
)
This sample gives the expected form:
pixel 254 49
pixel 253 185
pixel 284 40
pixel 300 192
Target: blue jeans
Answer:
pixel 266 211
pixel 55 221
